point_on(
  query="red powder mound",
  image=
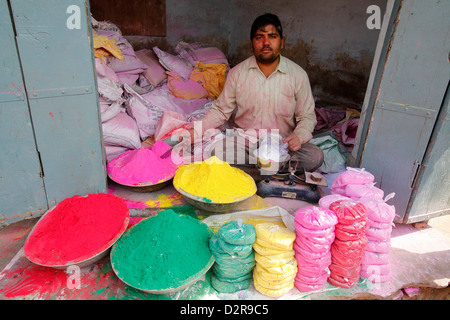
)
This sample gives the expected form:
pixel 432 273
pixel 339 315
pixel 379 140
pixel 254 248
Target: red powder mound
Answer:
pixel 78 228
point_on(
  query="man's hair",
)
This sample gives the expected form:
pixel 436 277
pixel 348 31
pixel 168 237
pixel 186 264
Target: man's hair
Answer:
pixel 264 20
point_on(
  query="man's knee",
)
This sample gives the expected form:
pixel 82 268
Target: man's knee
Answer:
pixel 310 157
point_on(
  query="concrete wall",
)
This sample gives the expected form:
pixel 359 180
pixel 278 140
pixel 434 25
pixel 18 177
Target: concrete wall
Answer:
pixel 328 38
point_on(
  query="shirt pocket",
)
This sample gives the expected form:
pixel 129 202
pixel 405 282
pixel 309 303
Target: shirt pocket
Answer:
pixel 285 102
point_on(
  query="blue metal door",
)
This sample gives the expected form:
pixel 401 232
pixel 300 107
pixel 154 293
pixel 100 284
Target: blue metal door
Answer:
pixel 21 185
pixel 409 89
pixel 54 46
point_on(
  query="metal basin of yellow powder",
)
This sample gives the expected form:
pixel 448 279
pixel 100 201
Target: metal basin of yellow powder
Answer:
pixel 213 185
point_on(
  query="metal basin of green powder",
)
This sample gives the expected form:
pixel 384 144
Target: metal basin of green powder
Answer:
pixel 163 254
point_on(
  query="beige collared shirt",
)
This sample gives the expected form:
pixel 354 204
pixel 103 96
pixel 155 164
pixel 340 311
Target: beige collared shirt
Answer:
pixel 282 101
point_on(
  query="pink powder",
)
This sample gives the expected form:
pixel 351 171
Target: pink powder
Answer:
pixel 142 166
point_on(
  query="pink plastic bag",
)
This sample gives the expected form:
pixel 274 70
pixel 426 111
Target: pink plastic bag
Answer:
pixel 325 240
pixel 378 246
pixel 376 278
pixel 357 191
pixel 305 287
pixel 381 269
pixel 379 234
pixel 316 279
pixel 310 268
pixel 378 210
pixel 299 229
pixel 374 258
pixel 313 217
pixel 312 246
pixel 352 176
pixel 379 225
pixel 326 201
pixel 305 259
pixel 307 253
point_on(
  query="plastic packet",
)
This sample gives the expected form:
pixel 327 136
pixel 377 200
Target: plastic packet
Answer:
pixel 229 287
pixel 343 271
pixel 267 251
pixel 237 232
pixel 359 226
pixel 306 287
pixel 235 249
pixel 272 148
pixel 348 211
pixel 378 210
pixel 378 246
pixel 300 230
pixel 357 191
pixel 352 176
pixel 326 201
pixel 313 217
pixel 310 245
pixel 375 258
pixel 277 236
pixel 275 261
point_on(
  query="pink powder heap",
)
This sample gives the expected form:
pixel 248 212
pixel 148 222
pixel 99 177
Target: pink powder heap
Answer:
pixel 143 166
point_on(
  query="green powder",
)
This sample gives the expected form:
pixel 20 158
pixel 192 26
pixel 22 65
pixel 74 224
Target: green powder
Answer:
pixel 162 252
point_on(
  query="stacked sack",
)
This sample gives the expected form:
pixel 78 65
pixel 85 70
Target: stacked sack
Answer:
pixel 354 183
pixel 350 240
pixel 375 262
pixel 235 259
pixel 276 266
pixel 358 185
pixel 314 227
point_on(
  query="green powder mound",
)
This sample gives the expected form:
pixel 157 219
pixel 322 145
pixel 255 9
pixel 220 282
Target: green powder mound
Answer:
pixel 162 252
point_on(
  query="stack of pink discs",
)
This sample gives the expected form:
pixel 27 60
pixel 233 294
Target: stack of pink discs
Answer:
pixel 314 228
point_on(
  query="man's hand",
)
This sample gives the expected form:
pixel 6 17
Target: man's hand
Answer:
pixel 293 142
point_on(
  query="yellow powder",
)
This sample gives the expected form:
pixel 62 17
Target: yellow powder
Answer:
pixel 214 180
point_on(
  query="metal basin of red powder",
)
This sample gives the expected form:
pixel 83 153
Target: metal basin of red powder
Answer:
pixel 77 231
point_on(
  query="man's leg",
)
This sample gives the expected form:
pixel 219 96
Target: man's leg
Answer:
pixel 310 157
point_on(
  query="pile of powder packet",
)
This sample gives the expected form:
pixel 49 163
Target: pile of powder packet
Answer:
pixel 235 258
pixel 276 266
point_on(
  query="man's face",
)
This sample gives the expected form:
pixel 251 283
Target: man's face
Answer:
pixel 267 44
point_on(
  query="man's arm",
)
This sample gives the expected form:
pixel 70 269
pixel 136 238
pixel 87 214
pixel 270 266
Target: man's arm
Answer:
pixel 305 115
pixel 221 109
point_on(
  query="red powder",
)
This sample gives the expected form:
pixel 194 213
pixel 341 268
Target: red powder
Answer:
pixel 78 228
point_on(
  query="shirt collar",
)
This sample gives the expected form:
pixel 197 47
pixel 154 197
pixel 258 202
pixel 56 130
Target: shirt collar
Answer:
pixel 282 66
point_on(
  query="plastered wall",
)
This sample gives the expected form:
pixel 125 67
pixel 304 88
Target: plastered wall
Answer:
pixel 328 38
